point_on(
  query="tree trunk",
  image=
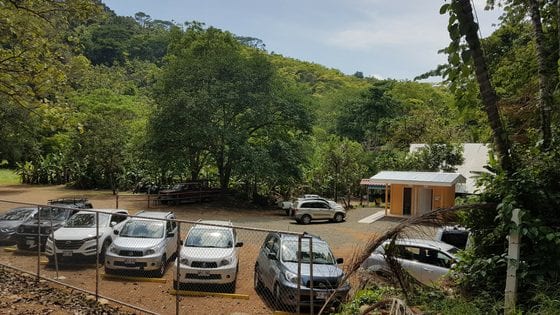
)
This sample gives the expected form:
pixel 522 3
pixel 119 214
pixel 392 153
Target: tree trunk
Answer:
pixel 469 28
pixel 545 78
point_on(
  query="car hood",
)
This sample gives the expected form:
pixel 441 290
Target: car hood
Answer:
pixel 136 243
pixel 9 224
pixel 75 234
pixel 319 271
pixel 43 223
pixel 205 253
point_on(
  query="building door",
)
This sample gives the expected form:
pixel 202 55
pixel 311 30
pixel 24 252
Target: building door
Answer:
pixel 407 201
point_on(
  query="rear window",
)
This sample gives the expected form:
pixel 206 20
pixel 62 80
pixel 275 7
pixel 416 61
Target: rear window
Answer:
pixel 457 238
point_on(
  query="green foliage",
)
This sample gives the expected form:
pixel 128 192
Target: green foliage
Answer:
pixel 367 296
pixel 220 100
pixel 9 177
pixel 337 167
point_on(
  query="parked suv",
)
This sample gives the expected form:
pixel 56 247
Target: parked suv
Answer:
pixel 145 242
pixel 51 219
pixel 307 209
pixel 276 269
pixel 209 256
pixel 11 220
pixel 454 235
pixel 425 260
pixel 77 238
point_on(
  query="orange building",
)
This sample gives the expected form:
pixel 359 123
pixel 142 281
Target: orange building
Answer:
pixel 415 193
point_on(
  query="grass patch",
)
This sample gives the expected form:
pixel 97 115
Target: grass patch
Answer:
pixel 9 177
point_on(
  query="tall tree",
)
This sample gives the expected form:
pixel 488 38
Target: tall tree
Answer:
pixel 216 95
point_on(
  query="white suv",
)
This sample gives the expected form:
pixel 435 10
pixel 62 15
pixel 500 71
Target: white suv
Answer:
pixel 209 256
pixel 308 209
pixel 77 238
pixel 144 243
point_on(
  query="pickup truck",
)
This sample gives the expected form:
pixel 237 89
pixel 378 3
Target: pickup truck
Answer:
pixel 194 191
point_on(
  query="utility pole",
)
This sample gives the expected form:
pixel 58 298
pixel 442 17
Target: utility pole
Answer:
pixel 513 263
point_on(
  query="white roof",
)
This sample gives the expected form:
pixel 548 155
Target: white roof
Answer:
pixel 475 156
pixel 418 178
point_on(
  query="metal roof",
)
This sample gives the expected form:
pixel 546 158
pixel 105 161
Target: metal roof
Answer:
pixel 418 178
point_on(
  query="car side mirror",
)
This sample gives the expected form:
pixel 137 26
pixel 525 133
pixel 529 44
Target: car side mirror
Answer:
pixel 113 223
pixel 116 232
pixel 239 244
pixel 272 256
pixel 339 260
pixel 170 234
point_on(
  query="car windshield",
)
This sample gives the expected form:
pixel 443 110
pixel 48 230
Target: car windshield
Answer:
pixel 204 237
pixel 453 250
pixel 86 220
pixel 143 229
pixel 321 253
pixel 57 214
pixel 16 215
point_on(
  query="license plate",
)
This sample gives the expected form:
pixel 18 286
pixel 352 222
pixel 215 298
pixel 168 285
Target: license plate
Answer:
pixel 322 295
pixel 129 261
pixel 67 253
pixel 203 274
pixel 29 242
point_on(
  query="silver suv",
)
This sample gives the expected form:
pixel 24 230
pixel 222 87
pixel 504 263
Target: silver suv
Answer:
pixel 276 270
pixel 209 256
pixel 144 243
pixel 77 238
pixel 308 209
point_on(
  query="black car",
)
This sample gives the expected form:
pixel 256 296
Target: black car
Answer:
pixel 276 270
pixel 11 220
pixel 35 231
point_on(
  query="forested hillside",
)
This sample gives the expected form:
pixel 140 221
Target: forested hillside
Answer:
pixel 134 99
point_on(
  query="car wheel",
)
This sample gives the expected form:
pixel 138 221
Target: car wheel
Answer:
pixel 230 287
pixel 109 271
pixel 306 219
pixel 338 217
pixel 257 283
pixel 161 271
pixel 103 251
pixel 176 285
pixel 277 296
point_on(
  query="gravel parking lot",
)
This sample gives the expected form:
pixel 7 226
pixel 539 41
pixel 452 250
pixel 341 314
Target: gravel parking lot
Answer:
pixel 344 238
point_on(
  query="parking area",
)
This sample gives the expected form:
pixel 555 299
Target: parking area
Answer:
pixel 344 238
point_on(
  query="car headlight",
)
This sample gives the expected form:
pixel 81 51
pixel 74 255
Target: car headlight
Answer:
pixel 184 261
pixel 291 277
pixel 150 251
pixel 91 238
pixel 7 230
pixel 113 249
pixel 225 262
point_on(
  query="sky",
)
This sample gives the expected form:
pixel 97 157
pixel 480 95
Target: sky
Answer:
pixel 396 39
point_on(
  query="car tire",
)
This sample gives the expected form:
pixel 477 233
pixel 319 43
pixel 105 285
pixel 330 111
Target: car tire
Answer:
pixel 230 287
pixel 176 285
pixel 305 219
pixel 161 271
pixel 277 296
pixel 106 244
pixel 257 283
pixel 109 271
pixel 338 217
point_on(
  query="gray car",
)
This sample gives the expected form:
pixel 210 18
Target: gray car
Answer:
pixel 11 220
pixel 426 260
pixel 276 270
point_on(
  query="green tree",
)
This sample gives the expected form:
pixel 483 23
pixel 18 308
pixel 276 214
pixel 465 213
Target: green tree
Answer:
pixel 215 96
